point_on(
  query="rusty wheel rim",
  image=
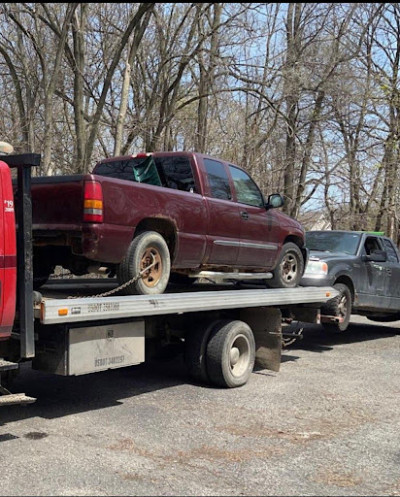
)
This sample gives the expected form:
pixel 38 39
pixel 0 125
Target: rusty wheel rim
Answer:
pixel 152 276
pixel 289 267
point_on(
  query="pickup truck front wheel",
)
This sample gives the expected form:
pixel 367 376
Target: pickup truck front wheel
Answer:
pixel 290 267
pixel 147 265
pixel 339 307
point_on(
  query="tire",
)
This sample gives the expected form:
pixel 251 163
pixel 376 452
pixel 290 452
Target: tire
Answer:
pixel 146 247
pixel 290 268
pixel 230 354
pixel 196 350
pixel 338 306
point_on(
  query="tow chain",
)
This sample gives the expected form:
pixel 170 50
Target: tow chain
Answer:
pixel 121 287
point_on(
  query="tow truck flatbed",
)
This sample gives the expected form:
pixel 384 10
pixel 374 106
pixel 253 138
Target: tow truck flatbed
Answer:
pixel 199 298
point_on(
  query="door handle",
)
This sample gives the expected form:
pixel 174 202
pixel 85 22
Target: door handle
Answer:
pixel 244 214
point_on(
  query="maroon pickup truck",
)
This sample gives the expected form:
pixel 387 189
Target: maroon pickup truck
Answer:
pixel 152 218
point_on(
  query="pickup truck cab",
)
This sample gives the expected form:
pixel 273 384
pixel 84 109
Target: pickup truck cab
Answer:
pixel 365 269
pixel 146 217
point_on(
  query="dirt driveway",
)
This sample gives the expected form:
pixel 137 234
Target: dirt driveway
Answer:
pixel 327 423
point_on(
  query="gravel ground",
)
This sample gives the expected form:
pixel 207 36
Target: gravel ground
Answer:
pixel 326 424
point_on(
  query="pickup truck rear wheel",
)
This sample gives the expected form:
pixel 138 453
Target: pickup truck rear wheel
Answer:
pixel 148 249
pixel 290 267
pixel 230 354
pixel 340 307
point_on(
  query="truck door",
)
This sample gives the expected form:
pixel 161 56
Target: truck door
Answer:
pixel 8 253
pixel 393 273
pixel 224 221
pixel 258 244
pixel 375 283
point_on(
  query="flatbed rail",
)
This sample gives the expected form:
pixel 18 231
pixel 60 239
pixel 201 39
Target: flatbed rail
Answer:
pixel 69 310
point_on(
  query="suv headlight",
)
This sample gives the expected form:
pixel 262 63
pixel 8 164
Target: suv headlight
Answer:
pixel 316 268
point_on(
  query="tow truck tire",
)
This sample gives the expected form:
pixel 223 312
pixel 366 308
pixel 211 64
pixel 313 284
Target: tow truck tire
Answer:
pixel 230 354
pixel 290 268
pixel 196 349
pixel 338 306
pixel 145 248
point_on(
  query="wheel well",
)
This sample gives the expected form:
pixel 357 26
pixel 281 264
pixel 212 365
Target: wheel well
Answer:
pixel 299 242
pixel 161 226
pixel 346 281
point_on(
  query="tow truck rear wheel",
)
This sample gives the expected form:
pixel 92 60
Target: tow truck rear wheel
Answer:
pixel 147 250
pixel 230 354
pixel 196 349
pixel 339 307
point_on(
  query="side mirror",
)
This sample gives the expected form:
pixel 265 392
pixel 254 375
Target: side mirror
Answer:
pixel 375 256
pixel 275 200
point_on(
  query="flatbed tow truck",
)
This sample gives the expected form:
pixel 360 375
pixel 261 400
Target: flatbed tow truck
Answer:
pixel 222 331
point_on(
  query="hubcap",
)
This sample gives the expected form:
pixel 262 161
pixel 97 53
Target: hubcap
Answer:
pixel 289 267
pixel 239 355
pixel 151 256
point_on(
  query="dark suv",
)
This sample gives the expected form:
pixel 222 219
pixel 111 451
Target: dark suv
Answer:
pixel 365 269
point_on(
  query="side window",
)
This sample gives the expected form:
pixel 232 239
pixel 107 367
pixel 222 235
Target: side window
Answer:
pixel 176 173
pixel 247 191
pixel 390 250
pixel 218 179
pixel 370 245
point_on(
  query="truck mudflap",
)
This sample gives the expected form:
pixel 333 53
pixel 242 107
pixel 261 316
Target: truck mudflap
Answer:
pixel 266 323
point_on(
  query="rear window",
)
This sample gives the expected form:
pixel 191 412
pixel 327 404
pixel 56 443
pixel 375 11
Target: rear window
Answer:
pixel 170 172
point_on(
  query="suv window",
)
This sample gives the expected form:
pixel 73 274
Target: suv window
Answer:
pixel 218 179
pixel 390 250
pixel 247 191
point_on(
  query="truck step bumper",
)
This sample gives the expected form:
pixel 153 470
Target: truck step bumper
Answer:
pixel 7 365
pixel 15 398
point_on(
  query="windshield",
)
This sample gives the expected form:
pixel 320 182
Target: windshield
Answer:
pixel 333 241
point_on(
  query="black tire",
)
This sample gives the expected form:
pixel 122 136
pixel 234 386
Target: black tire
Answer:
pixel 290 268
pixel 196 349
pixel 339 306
pixel 230 354
pixel 144 249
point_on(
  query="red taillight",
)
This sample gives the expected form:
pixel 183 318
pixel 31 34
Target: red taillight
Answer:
pixel 93 202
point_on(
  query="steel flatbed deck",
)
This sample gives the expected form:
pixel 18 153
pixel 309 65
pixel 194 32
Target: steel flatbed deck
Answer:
pixel 59 307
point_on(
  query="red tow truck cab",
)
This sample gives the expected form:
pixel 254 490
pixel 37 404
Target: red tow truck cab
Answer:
pixel 8 253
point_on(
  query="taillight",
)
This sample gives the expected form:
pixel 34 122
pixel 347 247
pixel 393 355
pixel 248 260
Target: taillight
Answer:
pixel 93 202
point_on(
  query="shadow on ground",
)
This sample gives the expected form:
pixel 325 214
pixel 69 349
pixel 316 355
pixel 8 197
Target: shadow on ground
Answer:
pixel 59 396
pixel 317 339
